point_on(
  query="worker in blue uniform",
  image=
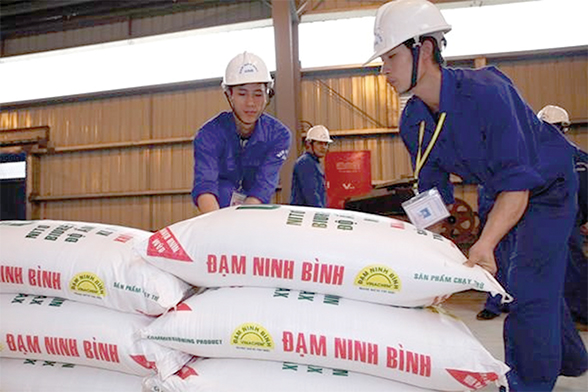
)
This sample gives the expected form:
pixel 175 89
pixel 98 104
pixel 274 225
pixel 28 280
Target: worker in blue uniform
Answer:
pixel 308 177
pixel 238 154
pixel 576 283
pixel 474 124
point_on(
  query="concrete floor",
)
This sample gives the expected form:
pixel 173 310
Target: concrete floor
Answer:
pixel 489 332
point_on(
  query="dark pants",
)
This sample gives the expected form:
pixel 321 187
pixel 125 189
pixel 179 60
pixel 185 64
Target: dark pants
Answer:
pixel 576 281
pixel 541 341
pixel 501 255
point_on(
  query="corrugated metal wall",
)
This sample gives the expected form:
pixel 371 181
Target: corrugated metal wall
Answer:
pixel 556 80
pixel 128 160
pixel 220 14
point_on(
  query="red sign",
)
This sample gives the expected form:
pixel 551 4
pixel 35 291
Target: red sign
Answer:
pixel 348 173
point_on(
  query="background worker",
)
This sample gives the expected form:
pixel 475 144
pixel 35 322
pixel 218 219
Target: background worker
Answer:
pixel 238 154
pixel 308 177
pixel 576 283
pixel 474 123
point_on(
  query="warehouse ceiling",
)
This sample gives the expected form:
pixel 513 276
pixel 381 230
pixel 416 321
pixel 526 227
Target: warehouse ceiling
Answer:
pixel 32 17
pixel 20 17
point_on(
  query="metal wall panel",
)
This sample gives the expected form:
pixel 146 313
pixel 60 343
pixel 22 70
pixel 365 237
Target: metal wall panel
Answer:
pixel 66 39
pixel 130 212
pixel 579 136
pixel 139 27
pixel 213 16
pixel 182 113
pixel 346 102
pixel 557 80
pixel 165 210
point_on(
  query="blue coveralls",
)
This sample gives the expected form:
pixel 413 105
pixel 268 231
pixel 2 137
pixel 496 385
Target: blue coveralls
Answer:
pixel 308 182
pixel 501 253
pixel 576 283
pixel 224 163
pixel 492 137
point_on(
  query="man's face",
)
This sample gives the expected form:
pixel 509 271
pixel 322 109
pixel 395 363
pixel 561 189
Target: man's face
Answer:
pixel 249 101
pixel 397 68
pixel 319 149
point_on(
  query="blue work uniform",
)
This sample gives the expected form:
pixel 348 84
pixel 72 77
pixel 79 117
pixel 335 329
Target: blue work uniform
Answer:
pixel 225 163
pixel 576 283
pixel 492 137
pixel 501 254
pixel 308 182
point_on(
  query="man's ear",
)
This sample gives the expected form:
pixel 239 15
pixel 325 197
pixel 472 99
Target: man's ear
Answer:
pixel 427 49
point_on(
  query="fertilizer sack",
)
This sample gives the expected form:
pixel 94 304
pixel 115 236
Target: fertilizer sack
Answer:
pixel 245 375
pixel 345 253
pixel 422 347
pixel 31 375
pixel 54 329
pixel 86 262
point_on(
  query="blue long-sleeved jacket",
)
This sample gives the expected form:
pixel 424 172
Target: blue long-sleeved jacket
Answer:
pixel 308 182
pixel 490 136
pixel 222 166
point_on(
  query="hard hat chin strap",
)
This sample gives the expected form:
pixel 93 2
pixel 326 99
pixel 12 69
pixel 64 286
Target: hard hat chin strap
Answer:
pixel 416 52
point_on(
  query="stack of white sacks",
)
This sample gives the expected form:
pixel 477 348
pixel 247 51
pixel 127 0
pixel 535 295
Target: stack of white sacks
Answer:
pixel 291 299
pixel 73 296
pixel 312 289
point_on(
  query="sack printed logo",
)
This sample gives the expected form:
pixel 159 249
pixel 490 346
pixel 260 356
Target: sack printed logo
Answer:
pixel 378 277
pixel 396 224
pixel 165 244
pixel 473 380
pixel 252 336
pixel 88 284
pixel 143 361
pixel 186 372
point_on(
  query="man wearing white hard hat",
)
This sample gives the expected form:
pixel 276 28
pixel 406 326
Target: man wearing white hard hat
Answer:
pixel 555 115
pixel 308 177
pixel 475 124
pixel 576 283
pixel 238 154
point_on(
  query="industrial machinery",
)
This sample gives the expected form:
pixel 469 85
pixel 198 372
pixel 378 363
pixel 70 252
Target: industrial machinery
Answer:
pixel 462 226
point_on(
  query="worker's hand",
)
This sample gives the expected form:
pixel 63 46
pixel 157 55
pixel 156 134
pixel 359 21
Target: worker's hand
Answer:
pixel 584 229
pixel 252 200
pixel 482 254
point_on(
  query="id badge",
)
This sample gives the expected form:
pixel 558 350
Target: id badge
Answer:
pixel 426 209
pixel 237 198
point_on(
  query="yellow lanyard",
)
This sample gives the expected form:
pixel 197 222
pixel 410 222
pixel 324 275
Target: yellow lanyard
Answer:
pixel 422 158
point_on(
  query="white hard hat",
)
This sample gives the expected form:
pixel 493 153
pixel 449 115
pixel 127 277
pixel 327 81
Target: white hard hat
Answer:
pixel 554 115
pixel 319 133
pixel 246 68
pixel 401 20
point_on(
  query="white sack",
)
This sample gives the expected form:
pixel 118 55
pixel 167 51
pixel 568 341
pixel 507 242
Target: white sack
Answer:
pixel 246 375
pixel 86 262
pixel 54 329
pixel 30 375
pixel 345 253
pixel 421 347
